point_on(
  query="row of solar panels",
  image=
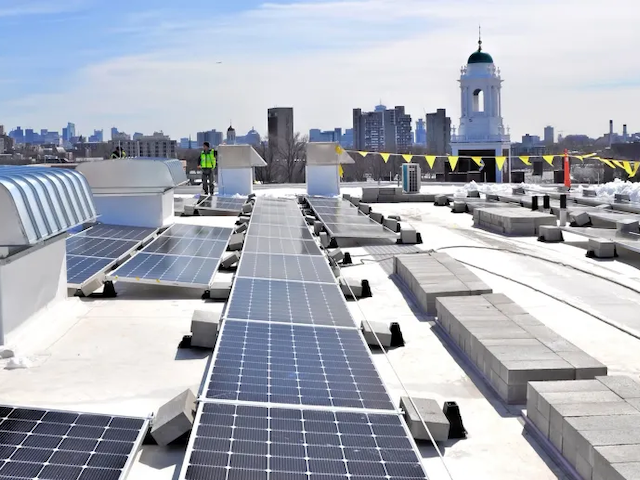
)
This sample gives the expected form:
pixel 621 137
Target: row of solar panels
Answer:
pixel 292 392
pixel 342 220
pixel 183 255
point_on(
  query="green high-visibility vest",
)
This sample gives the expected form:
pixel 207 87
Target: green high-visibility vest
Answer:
pixel 207 160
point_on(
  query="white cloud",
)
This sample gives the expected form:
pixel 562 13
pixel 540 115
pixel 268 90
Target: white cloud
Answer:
pixel 325 58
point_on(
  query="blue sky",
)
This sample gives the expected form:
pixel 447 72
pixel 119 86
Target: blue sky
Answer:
pixel 148 65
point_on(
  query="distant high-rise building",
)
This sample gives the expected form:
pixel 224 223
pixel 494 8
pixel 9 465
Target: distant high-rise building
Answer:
pixel 184 142
pixel 549 136
pixel 316 135
pixel 98 136
pixel 29 136
pixel 17 135
pixel 214 138
pixel 137 136
pixel 347 138
pixel 231 135
pixel 68 132
pixel 114 133
pixel 625 133
pixel 157 145
pixel 280 127
pixel 251 138
pixel 438 132
pixel 382 130
pixel 421 132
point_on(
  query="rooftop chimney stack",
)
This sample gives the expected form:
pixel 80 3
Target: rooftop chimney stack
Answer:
pixel 625 134
pixel 610 133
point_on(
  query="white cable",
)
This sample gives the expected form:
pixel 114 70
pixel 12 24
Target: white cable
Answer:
pixel 415 407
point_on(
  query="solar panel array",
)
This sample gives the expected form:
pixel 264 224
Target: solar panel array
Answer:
pixel 292 392
pixel 183 255
pixel 343 220
pixel 62 445
pixel 98 248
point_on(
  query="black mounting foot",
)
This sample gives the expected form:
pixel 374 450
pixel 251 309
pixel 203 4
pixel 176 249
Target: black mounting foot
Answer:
pixel 452 412
pixel 206 295
pixel 366 289
pixel 397 340
pixel 347 259
pixel 109 290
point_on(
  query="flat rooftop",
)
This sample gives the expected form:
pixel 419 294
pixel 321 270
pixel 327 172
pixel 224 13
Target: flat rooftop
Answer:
pixel 120 356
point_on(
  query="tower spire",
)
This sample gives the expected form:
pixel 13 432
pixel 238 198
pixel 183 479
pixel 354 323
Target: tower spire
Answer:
pixel 479 38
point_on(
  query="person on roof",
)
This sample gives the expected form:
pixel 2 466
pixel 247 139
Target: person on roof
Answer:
pixel 118 153
pixel 207 164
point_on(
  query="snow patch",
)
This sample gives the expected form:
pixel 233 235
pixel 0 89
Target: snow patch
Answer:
pixel 609 190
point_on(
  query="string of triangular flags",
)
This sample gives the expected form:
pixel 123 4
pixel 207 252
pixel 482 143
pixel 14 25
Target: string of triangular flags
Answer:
pixel 631 167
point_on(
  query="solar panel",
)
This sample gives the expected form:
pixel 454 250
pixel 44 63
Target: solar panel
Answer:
pixel 233 442
pixel 189 247
pixel 198 231
pixel 82 269
pixel 289 246
pixel 293 364
pixel 99 247
pixel 348 220
pixel 222 203
pixel 168 269
pixel 343 211
pixel 59 445
pixel 289 302
pixel 278 231
pixel 293 219
pixel 118 232
pixel 305 268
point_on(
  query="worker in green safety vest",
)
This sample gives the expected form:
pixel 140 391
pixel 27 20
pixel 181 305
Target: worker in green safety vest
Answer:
pixel 207 164
pixel 118 153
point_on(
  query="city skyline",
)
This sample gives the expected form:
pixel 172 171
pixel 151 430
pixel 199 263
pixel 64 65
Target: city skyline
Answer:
pixel 120 58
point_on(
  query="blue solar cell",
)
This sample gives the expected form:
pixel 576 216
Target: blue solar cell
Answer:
pixel 197 231
pixel 119 232
pixel 171 269
pixel 304 268
pixel 298 365
pixel 298 445
pixel 81 269
pixel 187 247
pixel 99 247
pixel 55 445
pixel 292 218
pixel 262 230
pixel 289 302
pixel 290 246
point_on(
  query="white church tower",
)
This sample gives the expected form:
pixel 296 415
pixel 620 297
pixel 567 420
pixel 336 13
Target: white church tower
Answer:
pixel 481 130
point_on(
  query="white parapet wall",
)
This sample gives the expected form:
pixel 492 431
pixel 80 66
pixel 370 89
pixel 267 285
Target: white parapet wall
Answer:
pixel 30 281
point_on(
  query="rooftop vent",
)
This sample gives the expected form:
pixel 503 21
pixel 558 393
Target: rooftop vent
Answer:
pixel 324 160
pixel 135 191
pixel 235 169
pixel 37 207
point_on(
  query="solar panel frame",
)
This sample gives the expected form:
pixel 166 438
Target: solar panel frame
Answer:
pixel 66 444
pixel 257 300
pixel 294 366
pixel 293 268
pixel 233 442
pixel 187 247
pixel 294 219
pixel 184 230
pixel 282 246
pixel 345 230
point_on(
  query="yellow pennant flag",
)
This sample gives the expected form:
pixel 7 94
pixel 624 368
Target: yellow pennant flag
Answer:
pixel 618 163
pixel 633 168
pixel 407 158
pixel 500 162
pixel 385 157
pixel 340 171
pixel 431 160
pixel 549 159
pixel 477 160
pixel 589 155
pixel 364 154
pixel 580 157
pixel 453 161
pixel 525 160
pixel 339 150
pixel 606 162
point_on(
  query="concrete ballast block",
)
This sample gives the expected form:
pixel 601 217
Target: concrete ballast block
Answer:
pixel 318 226
pixel 241 228
pixel 204 328
pixel 247 208
pixel 628 225
pixel 376 217
pixel 601 248
pixel 433 416
pixel 236 241
pixel 549 233
pixel 580 219
pixel 365 208
pixel 392 224
pixel 376 334
pixel 174 418
pixel 220 290
pixel 459 206
pixel 441 200
pixel 229 259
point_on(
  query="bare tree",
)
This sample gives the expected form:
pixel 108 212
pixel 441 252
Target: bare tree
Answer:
pixel 266 174
pixel 292 157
